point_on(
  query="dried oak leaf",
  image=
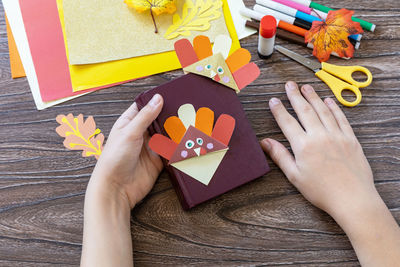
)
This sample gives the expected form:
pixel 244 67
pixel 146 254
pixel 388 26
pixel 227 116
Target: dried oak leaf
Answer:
pixel 80 134
pixel 332 35
pixel 155 6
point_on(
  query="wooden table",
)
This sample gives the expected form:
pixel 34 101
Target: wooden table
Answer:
pixel 266 222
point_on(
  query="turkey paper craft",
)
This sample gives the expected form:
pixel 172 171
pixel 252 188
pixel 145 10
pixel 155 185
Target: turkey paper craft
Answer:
pixel 197 146
pixel 214 62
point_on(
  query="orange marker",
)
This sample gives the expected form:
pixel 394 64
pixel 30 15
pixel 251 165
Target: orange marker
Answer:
pixel 281 24
pixel 291 28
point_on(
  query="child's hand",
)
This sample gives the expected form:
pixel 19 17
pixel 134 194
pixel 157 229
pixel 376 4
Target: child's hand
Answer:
pixel 127 167
pixel 329 167
pixel 330 170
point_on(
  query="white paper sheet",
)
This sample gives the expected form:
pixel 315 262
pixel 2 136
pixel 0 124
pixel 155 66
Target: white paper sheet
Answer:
pixel 14 15
pixel 239 20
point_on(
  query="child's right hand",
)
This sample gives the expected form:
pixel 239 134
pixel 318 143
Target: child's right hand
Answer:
pixel 329 167
pixel 330 170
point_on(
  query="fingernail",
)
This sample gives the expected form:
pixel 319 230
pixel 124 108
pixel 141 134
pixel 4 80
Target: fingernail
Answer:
pixel 329 101
pixel 274 101
pixel 308 89
pixel 155 100
pixel 290 86
pixel 267 144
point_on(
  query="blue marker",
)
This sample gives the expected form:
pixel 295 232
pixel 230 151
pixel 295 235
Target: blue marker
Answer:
pixel 297 14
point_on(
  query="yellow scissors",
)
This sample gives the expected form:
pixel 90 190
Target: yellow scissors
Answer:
pixel 327 72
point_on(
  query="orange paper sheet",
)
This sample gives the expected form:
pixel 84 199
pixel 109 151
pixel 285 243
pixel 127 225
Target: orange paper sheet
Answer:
pixel 17 70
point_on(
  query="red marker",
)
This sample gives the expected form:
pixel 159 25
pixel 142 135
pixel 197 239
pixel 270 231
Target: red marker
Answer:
pixel 266 38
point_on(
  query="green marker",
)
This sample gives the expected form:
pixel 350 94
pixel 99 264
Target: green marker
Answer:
pixel 364 24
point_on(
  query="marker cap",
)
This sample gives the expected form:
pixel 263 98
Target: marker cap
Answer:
pixel 268 26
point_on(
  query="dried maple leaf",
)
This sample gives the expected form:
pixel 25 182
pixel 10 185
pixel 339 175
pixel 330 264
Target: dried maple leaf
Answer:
pixel 80 134
pixel 156 6
pixel 332 35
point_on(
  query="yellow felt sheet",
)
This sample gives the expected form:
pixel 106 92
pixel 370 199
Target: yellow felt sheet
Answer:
pixel 96 75
pixel 106 30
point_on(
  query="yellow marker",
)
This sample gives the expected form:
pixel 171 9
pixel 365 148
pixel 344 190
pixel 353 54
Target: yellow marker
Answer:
pixel 338 78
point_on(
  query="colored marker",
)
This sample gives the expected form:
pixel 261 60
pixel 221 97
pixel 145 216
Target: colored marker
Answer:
pixel 289 19
pixel 281 24
pixel 278 15
pixel 250 13
pixel 303 2
pixel 291 28
pixel 364 24
pixel 296 13
pixel 303 8
pixel 294 5
pixel 319 14
pixel 289 36
pixel 284 25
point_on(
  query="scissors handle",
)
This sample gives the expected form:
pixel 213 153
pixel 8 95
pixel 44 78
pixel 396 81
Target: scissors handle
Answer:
pixel 338 86
pixel 346 73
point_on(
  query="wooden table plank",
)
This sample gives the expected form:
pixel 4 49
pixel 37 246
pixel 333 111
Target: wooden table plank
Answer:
pixel 266 222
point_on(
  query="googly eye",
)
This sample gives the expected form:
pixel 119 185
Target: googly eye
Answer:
pixel 220 70
pixel 208 66
pixel 199 141
pixel 189 144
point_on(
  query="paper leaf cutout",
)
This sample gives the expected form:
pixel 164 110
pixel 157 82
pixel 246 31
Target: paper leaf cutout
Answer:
pixel 195 17
pixel 187 55
pixel 187 115
pixel 205 120
pixel 155 6
pixel 238 59
pixel 246 75
pixel 201 149
pixel 175 128
pixel 332 35
pixel 202 47
pixel 163 146
pixel 223 129
pixel 222 45
pixel 235 72
pixel 80 134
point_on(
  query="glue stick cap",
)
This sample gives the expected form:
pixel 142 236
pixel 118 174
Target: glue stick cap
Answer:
pixel 268 27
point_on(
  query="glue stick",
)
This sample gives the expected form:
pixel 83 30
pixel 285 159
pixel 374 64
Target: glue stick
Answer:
pixel 266 38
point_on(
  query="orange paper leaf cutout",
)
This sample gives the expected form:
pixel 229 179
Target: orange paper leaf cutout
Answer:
pixel 332 35
pixel 80 134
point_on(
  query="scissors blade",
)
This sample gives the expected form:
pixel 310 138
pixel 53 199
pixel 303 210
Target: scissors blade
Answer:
pixel 311 64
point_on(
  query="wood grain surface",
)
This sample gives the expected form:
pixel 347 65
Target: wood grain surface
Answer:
pixel 266 222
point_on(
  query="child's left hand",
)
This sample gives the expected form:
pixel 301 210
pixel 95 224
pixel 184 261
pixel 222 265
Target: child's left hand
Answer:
pixel 127 167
